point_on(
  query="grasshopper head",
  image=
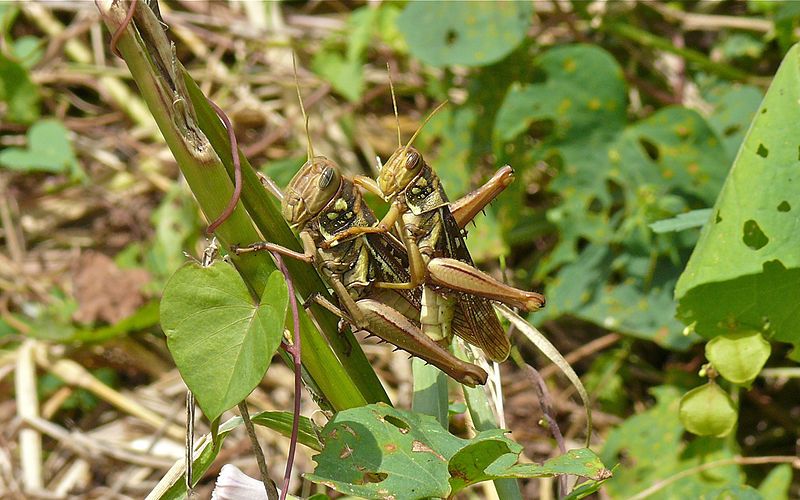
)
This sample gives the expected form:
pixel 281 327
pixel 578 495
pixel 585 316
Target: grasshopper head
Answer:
pixel 310 190
pixel 398 172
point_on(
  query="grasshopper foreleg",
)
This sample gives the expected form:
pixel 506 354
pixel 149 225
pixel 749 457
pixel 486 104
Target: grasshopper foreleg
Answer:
pixel 308 255
pixel 467 207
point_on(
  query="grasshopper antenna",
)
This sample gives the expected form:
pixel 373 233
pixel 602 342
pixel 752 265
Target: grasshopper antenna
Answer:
pixel 302 110
pixel 394 105
pixel 419 129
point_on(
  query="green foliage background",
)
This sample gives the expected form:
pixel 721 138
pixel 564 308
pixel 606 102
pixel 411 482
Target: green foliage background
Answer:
pixel 656 196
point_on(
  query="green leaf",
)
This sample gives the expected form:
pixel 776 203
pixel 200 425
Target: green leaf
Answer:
pixel 735 492
pixel 582 289
pixel 222 342
pixel 708 411
pixel 744 273
pixel 377 451
pixel 346 75
pixel 577 109
pixel 777 483
pixel 17 89
pixel 469 33
pixel 688 220
pixel 49 150
pixel 28 50
pixel 734 108
pixel 739 356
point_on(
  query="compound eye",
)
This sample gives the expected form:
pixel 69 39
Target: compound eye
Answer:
pixel 326 177
pixel 412 159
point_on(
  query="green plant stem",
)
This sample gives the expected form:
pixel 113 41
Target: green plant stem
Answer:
pixel 266 215
pixel 269 484
pixel 430 391
pixel 161 82
pixel 483 419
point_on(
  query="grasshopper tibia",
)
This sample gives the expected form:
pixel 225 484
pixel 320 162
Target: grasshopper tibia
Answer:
pixel 396 329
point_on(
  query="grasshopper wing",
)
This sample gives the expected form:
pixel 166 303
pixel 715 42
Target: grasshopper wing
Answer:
pixel 474 320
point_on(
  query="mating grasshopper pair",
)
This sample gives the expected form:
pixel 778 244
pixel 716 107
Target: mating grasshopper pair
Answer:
pixel 377 278
pixel 433 235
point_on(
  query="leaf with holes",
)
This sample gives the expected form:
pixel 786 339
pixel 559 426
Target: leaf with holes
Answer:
pixel 380 452
pixel 222 341
pixel 468 33
pixel 744 273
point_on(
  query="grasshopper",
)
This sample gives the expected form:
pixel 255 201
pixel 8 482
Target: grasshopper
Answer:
pixel 322 203
pixel 432 232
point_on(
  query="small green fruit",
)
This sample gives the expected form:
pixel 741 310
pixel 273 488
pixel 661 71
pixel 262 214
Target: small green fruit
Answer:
pixel 708 411
pixel 738 357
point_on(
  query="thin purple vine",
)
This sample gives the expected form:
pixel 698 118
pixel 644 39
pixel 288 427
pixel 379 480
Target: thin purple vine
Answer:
pixel 237 169
pixel 294 350
pixel 121 29
pixel 546 404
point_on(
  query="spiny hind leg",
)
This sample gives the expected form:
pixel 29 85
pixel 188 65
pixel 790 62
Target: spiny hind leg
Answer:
pixel 457 275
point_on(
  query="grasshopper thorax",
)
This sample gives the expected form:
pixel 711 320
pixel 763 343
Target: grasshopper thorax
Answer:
pixel 310 191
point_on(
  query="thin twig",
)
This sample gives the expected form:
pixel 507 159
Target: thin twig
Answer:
pixel 647 493
pixel 269 484
pixel 295 352
pixel 190 412
pixel 545 403
pixel 30 441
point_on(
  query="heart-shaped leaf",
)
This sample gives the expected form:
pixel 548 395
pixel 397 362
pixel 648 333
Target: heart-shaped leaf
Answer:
pixel 222 341
pixel 49 150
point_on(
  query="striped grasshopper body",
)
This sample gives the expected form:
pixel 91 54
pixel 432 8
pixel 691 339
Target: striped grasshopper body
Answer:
pixel 323 205
pixel 432 231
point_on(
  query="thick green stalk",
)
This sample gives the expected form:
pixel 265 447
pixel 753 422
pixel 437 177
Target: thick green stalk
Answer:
pixel 266 215
pixel 483 418
pixel 160 78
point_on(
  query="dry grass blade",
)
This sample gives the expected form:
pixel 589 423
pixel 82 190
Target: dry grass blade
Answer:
pixel 540 341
